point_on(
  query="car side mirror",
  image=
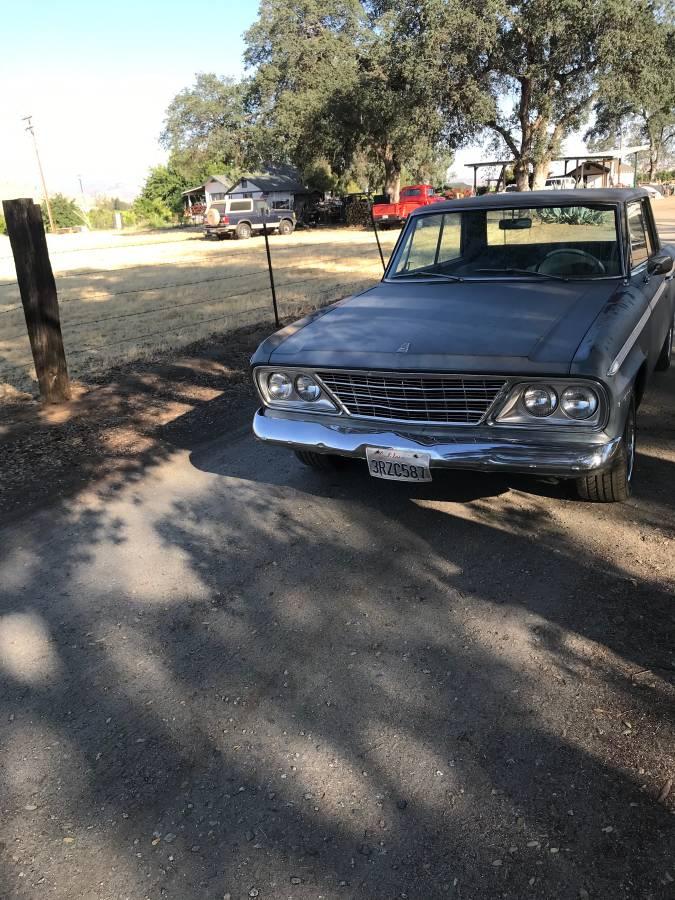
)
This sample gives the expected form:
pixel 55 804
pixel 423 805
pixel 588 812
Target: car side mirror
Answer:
pixel 661 264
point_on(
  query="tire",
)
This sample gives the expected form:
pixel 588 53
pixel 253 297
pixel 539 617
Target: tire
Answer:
pixel 243 231
pixel 613 485
pixel 665 356
pixel 285 227
pixel 320 462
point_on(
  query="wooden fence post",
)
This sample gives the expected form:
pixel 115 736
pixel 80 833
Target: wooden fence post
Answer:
pixel 38 295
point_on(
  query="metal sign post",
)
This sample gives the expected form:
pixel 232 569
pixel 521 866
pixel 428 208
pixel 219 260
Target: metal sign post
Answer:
pixel 269 266
pixel 377 237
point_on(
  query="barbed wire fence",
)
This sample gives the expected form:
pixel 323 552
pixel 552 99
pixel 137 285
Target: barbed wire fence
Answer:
pixel 86 354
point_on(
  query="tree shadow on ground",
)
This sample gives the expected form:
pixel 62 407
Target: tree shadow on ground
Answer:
pixel 256 680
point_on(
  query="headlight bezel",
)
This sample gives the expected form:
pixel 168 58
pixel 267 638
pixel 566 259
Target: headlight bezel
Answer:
pixel 322 404
pixel 512 411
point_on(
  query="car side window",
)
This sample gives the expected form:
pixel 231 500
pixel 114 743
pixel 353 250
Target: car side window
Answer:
pixel 241 205
pixel 640 247
pixel 650 227
pixel 450 246
pixel 423 242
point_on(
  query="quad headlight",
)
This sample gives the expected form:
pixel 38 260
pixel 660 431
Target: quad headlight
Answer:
pixel 279 386
pixel 558 402
pixel 292 389
pixel 307 389
pixel 540 400
pixel 579 402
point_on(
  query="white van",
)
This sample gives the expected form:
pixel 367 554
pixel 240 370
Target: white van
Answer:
pixel 560 183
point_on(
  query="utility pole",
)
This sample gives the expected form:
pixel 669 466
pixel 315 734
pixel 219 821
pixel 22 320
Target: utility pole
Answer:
pixel 84 202
pixel 30 127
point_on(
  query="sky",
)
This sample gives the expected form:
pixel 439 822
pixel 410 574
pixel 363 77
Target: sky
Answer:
pixel 97 79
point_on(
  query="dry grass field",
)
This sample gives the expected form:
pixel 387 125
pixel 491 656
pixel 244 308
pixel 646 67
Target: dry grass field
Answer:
pixel 128 296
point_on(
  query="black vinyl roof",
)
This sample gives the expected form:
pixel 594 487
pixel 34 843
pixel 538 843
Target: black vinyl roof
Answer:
pixel 528 199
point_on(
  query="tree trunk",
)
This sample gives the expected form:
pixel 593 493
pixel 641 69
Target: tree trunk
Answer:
pixel 653 159
pixel 521 174
pixel 540 174
pixel 392 175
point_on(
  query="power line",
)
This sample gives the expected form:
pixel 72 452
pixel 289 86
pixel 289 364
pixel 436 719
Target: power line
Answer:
pixel 167 286
pixel 85 274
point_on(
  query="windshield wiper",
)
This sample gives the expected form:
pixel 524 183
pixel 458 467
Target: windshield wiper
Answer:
pixel 425 272
pixel 511 271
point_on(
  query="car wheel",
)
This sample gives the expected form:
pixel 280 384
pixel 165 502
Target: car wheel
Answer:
pixel 285 227
pixel 243 231
pixel 613 485
pixel 320 462
pixel 665 356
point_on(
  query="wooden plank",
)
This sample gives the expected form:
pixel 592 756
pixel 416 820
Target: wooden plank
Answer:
pixel 37 287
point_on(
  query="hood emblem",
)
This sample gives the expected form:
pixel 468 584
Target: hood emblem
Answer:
pixel 404 348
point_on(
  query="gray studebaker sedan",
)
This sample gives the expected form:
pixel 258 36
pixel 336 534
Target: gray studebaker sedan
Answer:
pixel 512 332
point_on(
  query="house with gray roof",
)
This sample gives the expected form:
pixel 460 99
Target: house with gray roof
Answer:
pixel 282 186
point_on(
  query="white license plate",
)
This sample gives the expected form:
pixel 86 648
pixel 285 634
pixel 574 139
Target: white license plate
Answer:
pixel 398 465
pixel 384 217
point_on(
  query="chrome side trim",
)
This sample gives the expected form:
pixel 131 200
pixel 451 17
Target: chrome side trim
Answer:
pixel 635 333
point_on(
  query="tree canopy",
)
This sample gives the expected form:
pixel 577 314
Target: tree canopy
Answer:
pixel 636 97
pixel 369 89
pixel 205 129
pixel 166 184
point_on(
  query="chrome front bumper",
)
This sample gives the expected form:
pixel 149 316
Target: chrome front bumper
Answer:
pixel 452 450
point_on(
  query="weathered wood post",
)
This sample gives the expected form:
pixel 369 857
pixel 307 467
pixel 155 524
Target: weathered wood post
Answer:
pixel 38 295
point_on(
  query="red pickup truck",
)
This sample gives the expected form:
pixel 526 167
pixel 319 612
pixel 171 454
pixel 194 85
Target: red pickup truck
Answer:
pixel 412 196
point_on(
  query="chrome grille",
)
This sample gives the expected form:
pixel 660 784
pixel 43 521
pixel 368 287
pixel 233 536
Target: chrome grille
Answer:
pixel 446 399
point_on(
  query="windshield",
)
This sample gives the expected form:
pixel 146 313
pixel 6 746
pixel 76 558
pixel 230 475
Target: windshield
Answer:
pixel 554 241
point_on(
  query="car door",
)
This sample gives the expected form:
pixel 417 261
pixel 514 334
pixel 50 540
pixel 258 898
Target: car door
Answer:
pixel 663 308
pixel 643 244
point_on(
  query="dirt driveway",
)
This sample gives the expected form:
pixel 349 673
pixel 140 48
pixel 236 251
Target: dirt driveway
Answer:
pixel 226 676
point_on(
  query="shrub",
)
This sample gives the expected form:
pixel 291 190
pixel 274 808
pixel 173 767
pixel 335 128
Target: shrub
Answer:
pixel 65 212
pixel 100 219
pixel 154 213
pixel 3 226
pixel 571 215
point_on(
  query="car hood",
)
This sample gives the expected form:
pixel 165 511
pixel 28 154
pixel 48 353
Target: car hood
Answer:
pixel 478 326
